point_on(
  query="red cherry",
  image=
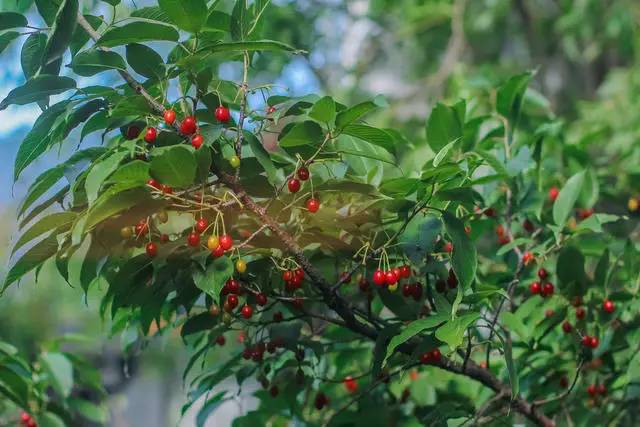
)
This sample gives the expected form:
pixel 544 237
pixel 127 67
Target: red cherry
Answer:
pixel 406 290
pixel 543 274
pixel 363 284
pixel 436 356
pixel 246 311
pixel 221 340
pixel 232 301
pixel 350 384
pixel 549 312
pixel 166 189
pixel 405 271
pixel 287 275
pixel 188 126
pixel 527 257
pixel 608 306
pixel 261 299
pixel 169 117
pixel 585 213
pixel 592 390
pixel 196 141
pixel 217 252
pixel 294 185
pixel 150 135
pixel 490 212
pixel 299 272
pixel 222 114
pixel 226 241
pixel 594 342
pixel 390 278
pixel 193 239
pixel 379 277
pixel 448 247
pixel 246 353
pixel 580 313
pixel 313 205
pixel 153 183
pixel 528 226
pixel 547 289
pixel 504 240
pixel 553 193
pixel 452 280
pixel 321 401
pixel 500 230
pixel 201 225
pixel 271 109
pixel 152 249
pixel 397 272
pixel 164 238
pixel 303 173
pixel 233 286
pixel 535 288
pixel 566 327
pixel 24 417
pixel 133 132
pixel 425 358
pixel 416 290
pixel 586 340
pixel 467 229
pixel 602 389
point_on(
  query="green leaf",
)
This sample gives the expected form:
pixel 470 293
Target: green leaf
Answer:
pixel 94 61
pixel 201 322
pixel 81 36
pixel 570 266
pixel 445 124
pixel 189 15
pixel 37 140
pixel 563 205
pixel 40 186
pixel 239 21
pixel 61 32
pixel 262 156
pixel 47 203
pixel 33 258
pixel 464 259
pixel 371 135
pixel 413 329
pixel 99 172
pixel 324 110
pixel 136 172
pixel 354 113
pixel 510 96
pixel 452 332
pixel 602 270
pixel 31 54
pixel 214 277
pixel 153 13
pixel 515 324
pixel 175 166
pixel 138 32
pixel 305 133
pixel 61 371
pixel 12 20
pixel 511 366
pixel 250 46
pixel 115 199
pixel 209 408
pixel 145 61
pixel 492 161
pixel 442 154
pixel 7 38
pixel 60 220
pixel 37 89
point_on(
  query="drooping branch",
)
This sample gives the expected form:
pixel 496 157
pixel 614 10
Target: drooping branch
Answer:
pixel 329 294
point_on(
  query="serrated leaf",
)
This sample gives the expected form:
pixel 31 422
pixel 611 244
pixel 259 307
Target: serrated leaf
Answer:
pixel 356 112
pixel 175 166
pixel 138 32
pixel 189 15
pixel 324 110
pixel 214 277
pixel 464 258
pixel 371 135
pixel 145 61
pixel 94 61
pixel 305 133
pixel 38 89
pixel 566 200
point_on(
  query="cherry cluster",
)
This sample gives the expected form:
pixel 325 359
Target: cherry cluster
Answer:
pixel 391 277
pixel 27 420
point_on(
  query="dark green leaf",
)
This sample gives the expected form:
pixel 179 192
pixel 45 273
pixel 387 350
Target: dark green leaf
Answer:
pixel 354 113
pixel 7 38
pixel 61 32
pixel 464 259
pixel 38 89
pixel 138 32
pixel 189 15
pixel 12 20
pixel 305 133
pixel 445 124
pixel 413 329
pixel 510 96
pixel 31 55
pixel 94 61
pixel 145 61
pixel 175 166
pixel 563 205
pixel 33 258
pixel 60 220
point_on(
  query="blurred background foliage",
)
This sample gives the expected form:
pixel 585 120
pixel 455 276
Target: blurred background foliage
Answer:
pixel 415 53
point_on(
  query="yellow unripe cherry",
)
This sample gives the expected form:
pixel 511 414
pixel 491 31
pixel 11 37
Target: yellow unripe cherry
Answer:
pixel 213 242
pixel 234 161
pixel 393 288
pixel 126 232
pixel 633 204
pixel 241 266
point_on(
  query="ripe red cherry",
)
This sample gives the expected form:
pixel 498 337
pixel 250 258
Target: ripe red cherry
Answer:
pixel 416 290
pixel 321 401
pixel 24 417
pixel 580 313
pixel 608 306
pixel 350 384
pixel 490 212
pixel 299 272
pixel 535 288
pixel 547 289
pixel 566 327
pixel 407 290
pixel 150 135
pixel 164 238
pixel 287 275
pixel 196 141
pixel 543 274
pixel 313 205
pixel 246 311
pixel 390 278
pixel 233 286
pixel 592 390
pixel 152 249
pixel 405 271
pixel 397 272
pixel 153 183
pixel 188 126
pixel 193 239
pixel 594 342
pixel 232 301
pixel 452 280
pixel 586 340
pixel 425 358
pixel 379 277
pixel 527 257
pixel 220 340
pixel 261 299
pixel 448 247
pixel 217 252
pixel 226 241
pixel 303 173
pixel 500 230
pixel 169 117
pixel 436 356
pixel 133 132
pixel 553 193
pixel 294 185
pixel 222 114
pixel 201 225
